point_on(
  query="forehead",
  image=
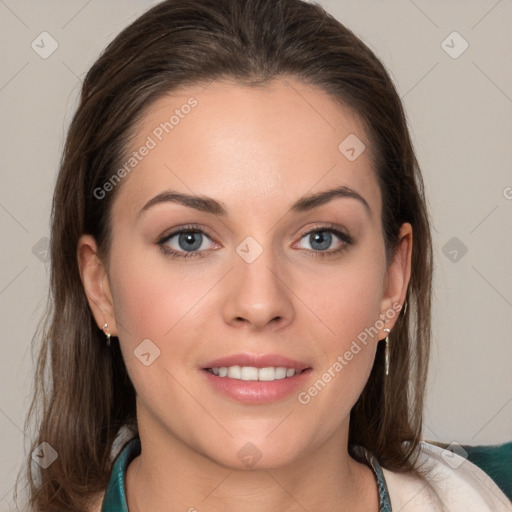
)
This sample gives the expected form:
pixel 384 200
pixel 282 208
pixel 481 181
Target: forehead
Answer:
pixel 248 147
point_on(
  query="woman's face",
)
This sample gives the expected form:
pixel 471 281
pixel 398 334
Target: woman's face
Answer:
pixel 270 273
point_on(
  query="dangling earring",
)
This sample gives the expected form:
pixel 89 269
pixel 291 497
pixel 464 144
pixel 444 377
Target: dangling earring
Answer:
pixel 106 331
pixel 386 353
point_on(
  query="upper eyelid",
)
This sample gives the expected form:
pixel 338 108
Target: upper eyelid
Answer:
pixel 184 229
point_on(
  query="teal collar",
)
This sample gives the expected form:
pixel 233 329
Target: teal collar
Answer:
pixel 115 496
pixel 363 455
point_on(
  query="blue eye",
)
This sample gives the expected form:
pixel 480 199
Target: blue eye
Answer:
pixel 320 239
pixel 190 240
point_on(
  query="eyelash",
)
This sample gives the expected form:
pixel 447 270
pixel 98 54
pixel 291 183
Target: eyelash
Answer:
pixel 330 228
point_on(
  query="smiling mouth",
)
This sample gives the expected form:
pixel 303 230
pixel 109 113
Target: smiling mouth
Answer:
pixel 252 373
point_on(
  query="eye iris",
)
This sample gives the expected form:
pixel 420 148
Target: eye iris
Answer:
pixel 324 238
pixel 188 239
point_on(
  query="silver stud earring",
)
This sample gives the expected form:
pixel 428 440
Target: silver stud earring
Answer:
pixel 386 353
pixel 106 331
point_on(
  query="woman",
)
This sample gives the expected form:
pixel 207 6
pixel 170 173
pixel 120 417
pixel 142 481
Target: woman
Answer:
pixel 241 278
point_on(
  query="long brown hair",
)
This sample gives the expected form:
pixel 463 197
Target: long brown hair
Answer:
pixel 81 387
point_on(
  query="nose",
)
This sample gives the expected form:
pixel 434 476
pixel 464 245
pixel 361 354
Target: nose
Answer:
pixel 257 294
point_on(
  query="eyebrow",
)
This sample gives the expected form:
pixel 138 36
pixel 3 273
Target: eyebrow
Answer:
pixel 212 206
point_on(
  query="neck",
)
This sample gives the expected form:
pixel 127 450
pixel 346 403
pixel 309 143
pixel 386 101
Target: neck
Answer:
pixel 170 476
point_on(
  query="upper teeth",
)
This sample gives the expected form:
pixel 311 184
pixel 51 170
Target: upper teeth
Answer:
pixel 253 373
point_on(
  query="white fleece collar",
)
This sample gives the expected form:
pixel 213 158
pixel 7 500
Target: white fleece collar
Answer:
pixel 453 484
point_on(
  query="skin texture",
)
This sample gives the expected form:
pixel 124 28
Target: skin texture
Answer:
pixel 257 151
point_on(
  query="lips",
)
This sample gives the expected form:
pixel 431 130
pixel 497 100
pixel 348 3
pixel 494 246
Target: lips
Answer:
pixel 257 361
pixel 261 391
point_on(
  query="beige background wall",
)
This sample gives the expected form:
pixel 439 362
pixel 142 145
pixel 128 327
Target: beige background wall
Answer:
pixel 459 107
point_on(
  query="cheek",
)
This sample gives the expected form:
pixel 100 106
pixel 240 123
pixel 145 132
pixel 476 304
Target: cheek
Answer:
pixel 155 302
pixel 348 298
pixel 350 306
pixel 151 295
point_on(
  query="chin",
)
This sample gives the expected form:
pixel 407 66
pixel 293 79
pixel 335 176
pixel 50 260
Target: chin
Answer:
pixel 258 454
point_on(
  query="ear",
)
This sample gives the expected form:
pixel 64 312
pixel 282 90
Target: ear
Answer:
pixel 95 281
pixel 398 275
